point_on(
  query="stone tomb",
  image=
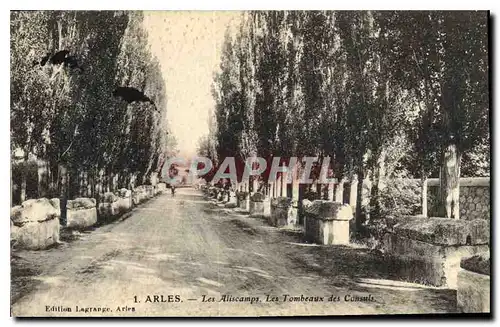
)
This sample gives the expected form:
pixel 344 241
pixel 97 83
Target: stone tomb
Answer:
pixel 139 195
pixel 243 200
pixel 232 203
pixel 267 207
pixel 212 192
pixel 81 213
pixel 257 205
pixel 473 286
pixel 124 199
pixel 34 225
pixel 161 188
pixel 150 191
pixel 115 204
pixel 282 213
pixel 429 250
pixel 327 222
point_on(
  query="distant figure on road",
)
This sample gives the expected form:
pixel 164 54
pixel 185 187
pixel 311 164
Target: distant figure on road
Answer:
pixel 172 189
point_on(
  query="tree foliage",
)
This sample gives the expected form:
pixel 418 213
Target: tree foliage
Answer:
pixel 71 119
pixel 382 93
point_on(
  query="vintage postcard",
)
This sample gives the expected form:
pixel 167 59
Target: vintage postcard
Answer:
pixel 249 163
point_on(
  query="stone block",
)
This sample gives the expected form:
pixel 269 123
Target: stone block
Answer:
pixel 81 213
pixel 80 203
pixel 108 209
pixel 139 195
pixel 124 193
pixel 281 202
pixel 109 197
pixel 479 264
pixel 35 210
pixel 212 192
pixel 256 208
pixel 244 204
pixel 241 195
pixel 428 263
pixel 444 231
pixel 35 224
pixel 257 197
pixel 232 203
pixel 162 188
pixel 150 191
pixel 282 213
pixel 473 292
pixel 122 202
pixel 327 222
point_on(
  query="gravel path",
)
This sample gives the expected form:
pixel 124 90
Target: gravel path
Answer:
pixel 180 256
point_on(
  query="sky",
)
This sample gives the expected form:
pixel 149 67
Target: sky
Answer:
pixel 188 46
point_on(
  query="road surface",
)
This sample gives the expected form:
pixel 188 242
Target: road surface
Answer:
pixel 180 256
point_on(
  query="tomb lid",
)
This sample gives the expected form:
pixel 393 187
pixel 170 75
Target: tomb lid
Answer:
pixel 329 210
pixel 34 210
pixel 81 203
pixel 257 197
pixel 479 263
pixel 281 202
pixel 444 231
pixel 109 197
pixel 123 192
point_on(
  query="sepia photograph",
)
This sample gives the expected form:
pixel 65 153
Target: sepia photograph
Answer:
pixel 279 163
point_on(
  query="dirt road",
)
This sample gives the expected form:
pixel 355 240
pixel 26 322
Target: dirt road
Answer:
pixel 172 255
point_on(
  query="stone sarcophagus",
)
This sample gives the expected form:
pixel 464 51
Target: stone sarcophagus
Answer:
pixel 327 222
pixel 34 224
pixel 232 202
pixel 282 212
pixel 81 213
pixel 243 200
pixel 267 207
pixel 139 195
pixel 124 200
pixel 212 192
pixel 474 284
pixel 161 188
pixel 115 204
pixel 150 191
pixel 257 205
pixel 429 250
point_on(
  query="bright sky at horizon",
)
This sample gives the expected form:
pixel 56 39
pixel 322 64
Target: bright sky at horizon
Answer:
pixel 188 45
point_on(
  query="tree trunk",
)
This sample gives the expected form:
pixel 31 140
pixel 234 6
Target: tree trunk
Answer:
pixel 450 182
pixel 359 200
pixel 374 194
pixel 23 184
pixel 339 191
pixel 92 183
pixel 282 184
pixel 24 175
pixel 52 173
pixel 63 192
pixel 424 194
pixel 294 186
pixel 353 188
pixel 42 178
pixel 331 192
pixel 289 190
pixel 302 188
